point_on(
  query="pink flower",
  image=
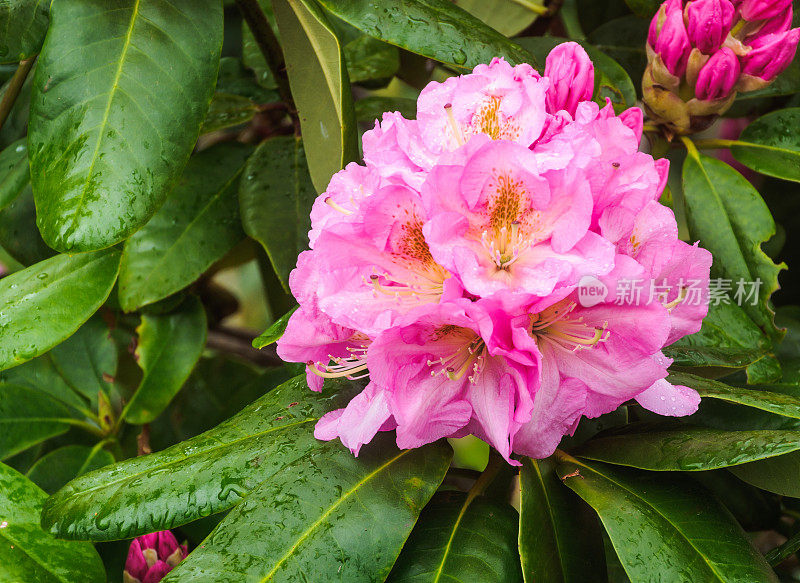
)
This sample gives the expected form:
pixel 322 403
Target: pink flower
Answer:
pixel 771 54
pixel 709 22
pixel 670 40
pixel 762 9
pixel 571 76
pixel 152 556
pixel 780 23
pixel 718 76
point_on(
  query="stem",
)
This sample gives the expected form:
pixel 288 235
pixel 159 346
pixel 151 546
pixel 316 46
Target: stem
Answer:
pixel 781 553
pixel 650 127
pixel 230 343
pixel 486 478
pixel 14 87
pixel 83 425
pixel 690 147
pixel 143 441
pixel 717 144
pixel 271 49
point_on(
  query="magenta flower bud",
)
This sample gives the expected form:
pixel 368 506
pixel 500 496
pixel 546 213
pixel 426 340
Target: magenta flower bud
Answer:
pixel 709 22
pixel 152 556
pixel 762 9
pixel 771 54
pixel 571 75
pixel 672 41
pixel 718 76
pixel 774 25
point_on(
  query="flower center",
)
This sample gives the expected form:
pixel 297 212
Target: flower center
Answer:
pixel 345 366
pixel 558 325
pixel 468 356
pixel 511 224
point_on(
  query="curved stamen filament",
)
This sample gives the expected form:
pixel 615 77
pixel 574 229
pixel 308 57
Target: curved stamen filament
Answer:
pixel 468 357
pixel 682 293
pixel 569 333
pixel 336 206
pixel 454 127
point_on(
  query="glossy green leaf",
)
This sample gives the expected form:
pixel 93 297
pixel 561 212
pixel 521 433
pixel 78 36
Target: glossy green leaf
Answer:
pixel 559 537
pixel 787 82
pixel 643 8
pixel 779 474
pixel 505 16
pixel 689 449
pixel 52 471
pixel 28 417
pixel 19 235
pixel 197 225
pixel 27 553
pixel 120 91
pixel 252 57
pixel 23 24
pixel 168 348
pixel 320 86
pixel 730 219
pixel 752 508
pixel 461 538
pixel 44 304
pixel 275 199
pixel 653 522
pixel 40 374
pixel 371 108
pixel 274 332
pixel 436 29
pixel 325 512
pixel 624 40
pixel 771 145
pixel 369 59
pixel 228 110
pixel 87 360
pixel 777 403
pixel 200 476
pixel 610 81
pixel 14 173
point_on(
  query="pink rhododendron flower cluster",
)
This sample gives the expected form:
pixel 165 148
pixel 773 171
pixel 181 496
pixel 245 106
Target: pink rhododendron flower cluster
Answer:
pixel 448 267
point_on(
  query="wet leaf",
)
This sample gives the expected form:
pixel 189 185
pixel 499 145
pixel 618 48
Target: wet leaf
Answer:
pixel 169 346
pixel 436 29
pixel 198 225
pixel 44 304
pixel 27 553
pixel 274 332
pixel 370 59
pixel 24 24
pixel 559 537
pixel 28 417
pixel 779 474
pixel 52 471
pixel 14 172
pixel 200 476
pixel 120 91
pixel 643 8
pixel 772 145
pixel 730 219
pixel 275 199
pixel 40 374
pixel 505 16
pixel 461 538
pixel 320 86
pixel 19 235
pixel 325 512
pixel 689 449
pixel 227 111
pixel 652 520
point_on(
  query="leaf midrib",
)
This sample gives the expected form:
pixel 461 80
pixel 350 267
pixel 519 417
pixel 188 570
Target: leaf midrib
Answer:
pixel 305 534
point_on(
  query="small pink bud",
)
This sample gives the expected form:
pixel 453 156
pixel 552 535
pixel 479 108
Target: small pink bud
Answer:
pixel 709 22
pixel 771 54
pixel 672 42
pixel 762 9
pixel 152 556
pixel 571 75
pixel 718 76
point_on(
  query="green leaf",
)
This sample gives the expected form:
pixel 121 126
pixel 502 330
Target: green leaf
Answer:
pixel 777 403
pixel 227 111
pixel 27 553
pixel 197 226
pixel 87 360
pixel 779 474
pixel 275 199
pixel 325 512
pixel 653 523
pixel 40 374
pixel 369 59
pixel 371 108
pixel 14 172
pixel 505 16
pixel 460 537
pixel 559 538
pixel 120 92
pixel 320 86
pixel 28 417
pixel 770 145
pixel 252 57
pixel 274 332
pixel 198 477
pixel 19 235
pixel 44 304
pixel 610 81
pixel 689 449
pixel 643 8
pixel 731 220
pixel 436 29
pixel 168 348
pixel 52 471
pixel 24 24
pixel 624 40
